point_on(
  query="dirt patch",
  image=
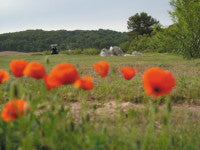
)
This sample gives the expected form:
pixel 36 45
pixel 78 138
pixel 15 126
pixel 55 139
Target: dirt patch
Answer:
pixel 11 53
pixel 190 108
pixel 98 110
pixel 112 108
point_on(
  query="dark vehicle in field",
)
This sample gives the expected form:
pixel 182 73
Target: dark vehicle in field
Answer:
pixel 54 49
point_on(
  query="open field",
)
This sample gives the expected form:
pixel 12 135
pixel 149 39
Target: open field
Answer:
pixel 116 114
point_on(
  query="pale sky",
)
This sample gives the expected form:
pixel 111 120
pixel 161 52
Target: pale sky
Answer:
pixel 19 15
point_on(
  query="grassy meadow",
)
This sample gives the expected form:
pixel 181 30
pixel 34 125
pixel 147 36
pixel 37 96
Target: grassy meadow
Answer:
pixel 116 114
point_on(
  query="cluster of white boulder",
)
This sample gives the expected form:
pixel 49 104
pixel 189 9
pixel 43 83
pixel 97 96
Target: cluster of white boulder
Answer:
pixel 117 51
pixel 135 53
pixel 113 51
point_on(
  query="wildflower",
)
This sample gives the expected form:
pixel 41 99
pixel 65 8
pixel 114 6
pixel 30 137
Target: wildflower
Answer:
pixel 17 67
pixel 102 68
pixel 85 83
pixel 128 72
pixel 35 70
pixel 158 82
pixel 64 73
pixel 14 109
pixel 4 76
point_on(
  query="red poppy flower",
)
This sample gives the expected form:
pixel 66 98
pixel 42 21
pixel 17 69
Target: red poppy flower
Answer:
pixel 14 109
pixel 64 73
pixel 17 67
pixel 48 86
pixel 35 70
pixel 102 68
pixel 85 83
pixel 158 82
pixel 4 76
pixel 128 72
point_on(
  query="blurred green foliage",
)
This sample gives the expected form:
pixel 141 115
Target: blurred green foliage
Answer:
pixel 183 37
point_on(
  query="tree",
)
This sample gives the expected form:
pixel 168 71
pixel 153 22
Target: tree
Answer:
pixel 140 24
pixel 186 15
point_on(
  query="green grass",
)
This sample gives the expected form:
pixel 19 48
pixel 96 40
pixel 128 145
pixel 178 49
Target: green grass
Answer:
pixel 116 114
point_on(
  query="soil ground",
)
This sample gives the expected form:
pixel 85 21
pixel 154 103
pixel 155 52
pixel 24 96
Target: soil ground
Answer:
pixel 10 53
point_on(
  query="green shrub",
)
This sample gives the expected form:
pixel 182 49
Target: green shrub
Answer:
pixel 76 52
pixel 71 52
pixel 46 52
pixel 125 46
pixel 65 52
pixel 163 40
pixel 91 51
pixel 139 44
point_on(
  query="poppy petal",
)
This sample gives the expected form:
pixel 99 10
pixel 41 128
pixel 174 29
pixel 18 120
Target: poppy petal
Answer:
pixel 64 73
pixel 4 75
pixel 128 72
pixel 17 67
pixel 35 70
pixel 158 82
pixel 85 83
pixel 101 68
pixel 14 109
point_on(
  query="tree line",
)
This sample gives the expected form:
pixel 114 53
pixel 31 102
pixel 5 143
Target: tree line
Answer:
pixel 39 40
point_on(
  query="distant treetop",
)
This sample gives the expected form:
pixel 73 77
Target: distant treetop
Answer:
pixel 140 24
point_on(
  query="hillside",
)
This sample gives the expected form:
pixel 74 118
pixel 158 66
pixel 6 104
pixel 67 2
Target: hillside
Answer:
pixel 39 40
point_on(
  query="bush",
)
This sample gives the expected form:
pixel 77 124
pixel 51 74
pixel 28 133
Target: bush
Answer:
pixel 125 46
pixel 65 52
pixel 91 51
pixel 71 52
pixel 76 52
pixel 46 52
pixel 139 44
pixel 163 40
